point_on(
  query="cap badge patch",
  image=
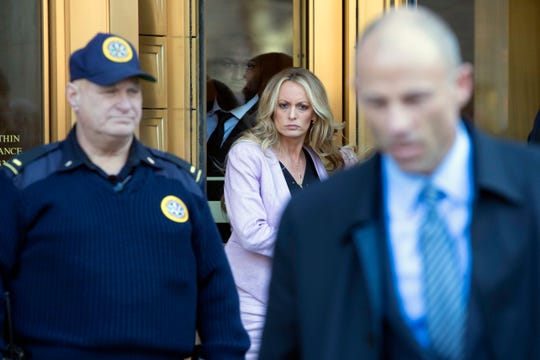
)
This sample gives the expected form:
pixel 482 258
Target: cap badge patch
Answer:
pixel 117 50
pixel 174 209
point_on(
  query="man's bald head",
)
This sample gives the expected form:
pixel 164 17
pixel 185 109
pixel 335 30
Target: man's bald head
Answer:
pixel 410 28
pixel 411 85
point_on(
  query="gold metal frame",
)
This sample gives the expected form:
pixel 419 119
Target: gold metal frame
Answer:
pixel 45 68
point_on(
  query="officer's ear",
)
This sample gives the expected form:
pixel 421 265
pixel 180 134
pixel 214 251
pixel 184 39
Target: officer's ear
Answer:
pixel 73 95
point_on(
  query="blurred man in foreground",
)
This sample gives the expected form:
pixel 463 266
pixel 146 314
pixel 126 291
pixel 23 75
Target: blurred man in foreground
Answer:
pixel 428 250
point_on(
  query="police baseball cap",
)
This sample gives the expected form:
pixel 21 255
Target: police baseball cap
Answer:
pixel 106 60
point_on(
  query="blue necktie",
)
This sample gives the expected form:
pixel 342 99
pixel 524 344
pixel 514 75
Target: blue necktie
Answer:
pixel 442 281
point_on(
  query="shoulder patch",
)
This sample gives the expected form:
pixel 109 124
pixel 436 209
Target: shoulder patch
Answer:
pixel 17 163
pixel 196 173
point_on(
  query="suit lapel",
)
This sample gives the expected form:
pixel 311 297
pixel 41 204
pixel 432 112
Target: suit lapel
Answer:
pixel 494 191
pixel 366 242
pixel 236 132
pixel 246 122
pixel 367 236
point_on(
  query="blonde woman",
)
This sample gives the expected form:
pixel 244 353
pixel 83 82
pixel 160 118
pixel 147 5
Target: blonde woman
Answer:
pixel 290 148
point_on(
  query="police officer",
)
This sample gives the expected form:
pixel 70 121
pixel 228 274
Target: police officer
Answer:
pixel 112 252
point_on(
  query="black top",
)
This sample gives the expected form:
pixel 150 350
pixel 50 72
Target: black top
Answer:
pixel 310 175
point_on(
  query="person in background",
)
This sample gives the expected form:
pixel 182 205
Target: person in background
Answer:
pixel 290 149
pixel 112 252
pixel 219 96
pixel 227 59
pixel 431 248
pixel 225 126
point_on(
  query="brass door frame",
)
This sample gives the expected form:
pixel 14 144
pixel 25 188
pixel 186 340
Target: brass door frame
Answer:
pixel 45 60
pixel 332 30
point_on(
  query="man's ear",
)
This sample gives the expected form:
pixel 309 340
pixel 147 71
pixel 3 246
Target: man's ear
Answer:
pixel 464 83
pixel 73 96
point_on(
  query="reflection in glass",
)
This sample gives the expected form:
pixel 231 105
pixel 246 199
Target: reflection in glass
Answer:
pixel 226 62
pixel 21 124
pixel 247 41
pixel 227 122
pixel 238 30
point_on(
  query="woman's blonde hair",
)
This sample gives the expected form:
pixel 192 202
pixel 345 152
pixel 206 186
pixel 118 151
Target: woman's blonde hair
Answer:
pixel 320 137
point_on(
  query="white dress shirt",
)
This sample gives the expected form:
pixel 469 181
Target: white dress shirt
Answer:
pixel 230 123
pixel 403 217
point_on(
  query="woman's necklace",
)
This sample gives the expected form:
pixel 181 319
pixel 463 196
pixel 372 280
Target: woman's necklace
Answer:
pixel 300 170
pixel 295 168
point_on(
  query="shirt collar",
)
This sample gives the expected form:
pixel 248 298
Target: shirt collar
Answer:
pixel 74 156
pixel 215 108
pixel 448 177
pixel 454 174
pixel 240 111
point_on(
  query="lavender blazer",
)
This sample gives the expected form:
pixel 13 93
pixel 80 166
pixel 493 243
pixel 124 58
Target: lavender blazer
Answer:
pixel 256 194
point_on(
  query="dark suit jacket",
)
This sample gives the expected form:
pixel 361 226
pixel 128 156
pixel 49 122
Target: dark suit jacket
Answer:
pixel 534 135
pixel 326 293
pixel 216 161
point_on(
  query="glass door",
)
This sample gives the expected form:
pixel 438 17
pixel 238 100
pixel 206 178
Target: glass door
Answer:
pixel 21 77
pixel 247 41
